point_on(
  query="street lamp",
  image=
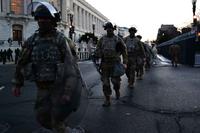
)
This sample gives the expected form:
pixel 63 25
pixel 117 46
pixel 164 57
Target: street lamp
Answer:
pixel 194 6
pixel 93 28
pixel 193 11
pixel 195 18
pixel 71 27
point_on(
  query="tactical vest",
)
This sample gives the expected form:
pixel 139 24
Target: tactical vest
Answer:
pixel 109 48
pixel 45 56
pixel 132 45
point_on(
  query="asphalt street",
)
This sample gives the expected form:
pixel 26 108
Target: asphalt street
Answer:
pixel 165 101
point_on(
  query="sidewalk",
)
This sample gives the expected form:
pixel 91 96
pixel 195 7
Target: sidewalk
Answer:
pixel 7 63
pixel 165 101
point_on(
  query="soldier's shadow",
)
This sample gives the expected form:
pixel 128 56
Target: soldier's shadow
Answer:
pixel 128 97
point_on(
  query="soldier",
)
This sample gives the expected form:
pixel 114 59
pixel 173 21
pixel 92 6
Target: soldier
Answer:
pixel 109 48
pixel 1 55
pixel 9 55
pixel 136 56
pixel 148 54
pixel 47 56
pixel 17 54
pixel 174 51
pixel 154 49
pixel 140 67
pixel 10 41
pixel 4 56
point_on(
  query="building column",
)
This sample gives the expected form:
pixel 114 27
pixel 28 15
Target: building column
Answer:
pixel 87 21
pixel 8 6
pixel 90 22
pixel 80 18
pixel 97 25
pixel 64 11
pixel 83 20
pixel 75 16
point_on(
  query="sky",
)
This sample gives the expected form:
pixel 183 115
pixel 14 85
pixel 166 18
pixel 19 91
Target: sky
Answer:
pixel 146 15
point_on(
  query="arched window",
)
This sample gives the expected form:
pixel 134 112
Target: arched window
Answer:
pixel 17 32
pixel 17 7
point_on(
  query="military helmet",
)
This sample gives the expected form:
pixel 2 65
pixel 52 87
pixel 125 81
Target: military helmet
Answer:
pixel 139 36
pixel 109 25
pixel 46 10
pixel 132 29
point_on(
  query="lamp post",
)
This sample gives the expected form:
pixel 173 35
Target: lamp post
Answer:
pixel 71 27
pixel 93 28
pixel 193 11
pixel 194 18
pixel 194 6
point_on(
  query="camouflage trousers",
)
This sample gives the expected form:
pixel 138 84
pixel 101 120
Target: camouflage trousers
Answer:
pixel 148 62
pixel 130 72
pixel 139 66
pixel 48 108
pixel 107 79
pixel 174 60
pixel 135 64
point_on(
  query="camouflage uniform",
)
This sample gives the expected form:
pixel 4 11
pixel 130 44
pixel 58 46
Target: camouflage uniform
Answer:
pixel 47 60
pixel 135 57
pixel 45 54
pixel 149 55
pixel 107 51
pixel 140 68
pixel 174 51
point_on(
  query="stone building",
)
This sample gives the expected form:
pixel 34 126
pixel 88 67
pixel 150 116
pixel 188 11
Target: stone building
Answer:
pixel 123 31
pixel 17 23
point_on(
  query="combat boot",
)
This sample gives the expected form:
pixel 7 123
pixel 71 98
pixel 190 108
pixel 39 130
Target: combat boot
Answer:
pixel 140 77
pixel 131 86
pixel 107 102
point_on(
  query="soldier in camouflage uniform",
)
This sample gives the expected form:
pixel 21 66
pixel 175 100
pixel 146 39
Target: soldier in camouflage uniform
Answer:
pixel 148 54
pixel 135 55
pixel 109 48
pixel 174 51
pixel 46 51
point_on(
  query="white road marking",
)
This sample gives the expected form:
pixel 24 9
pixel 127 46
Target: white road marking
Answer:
pixel 2 87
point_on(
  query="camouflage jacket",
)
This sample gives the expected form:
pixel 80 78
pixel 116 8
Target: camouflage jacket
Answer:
pixel 66 56
pixel 134 47
pixel 110 49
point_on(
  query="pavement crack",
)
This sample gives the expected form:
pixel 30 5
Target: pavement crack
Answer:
pixel 158 128
pixel 177 120
pixel 162 111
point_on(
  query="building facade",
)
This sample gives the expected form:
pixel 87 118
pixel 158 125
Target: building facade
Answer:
pixel 17 23
pixel 123 31
pixel 169 30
